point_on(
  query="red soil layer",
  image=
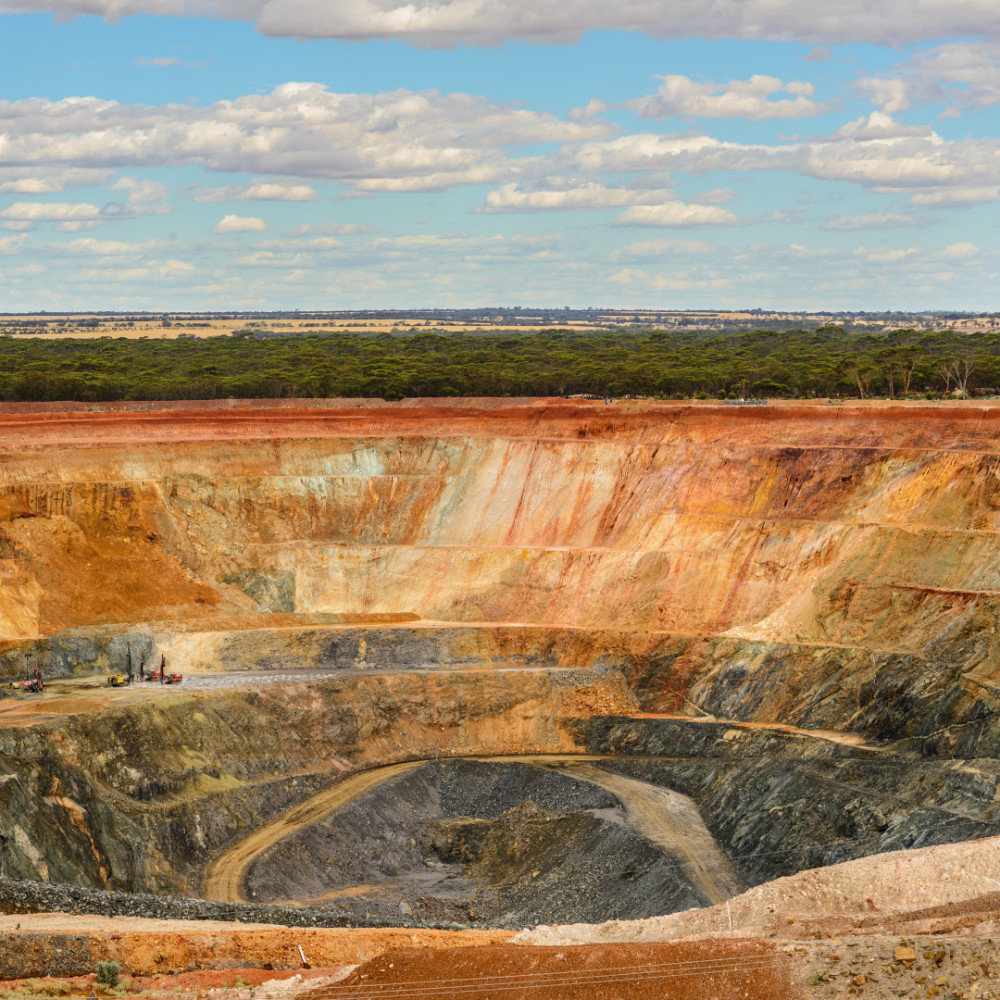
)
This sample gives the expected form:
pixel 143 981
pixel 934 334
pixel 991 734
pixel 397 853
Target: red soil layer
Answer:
pixel 750 970
pixel 966 428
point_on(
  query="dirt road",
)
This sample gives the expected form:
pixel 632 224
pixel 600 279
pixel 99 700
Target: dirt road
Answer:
pixel 672 822
pixel 667 819
pixel 225 875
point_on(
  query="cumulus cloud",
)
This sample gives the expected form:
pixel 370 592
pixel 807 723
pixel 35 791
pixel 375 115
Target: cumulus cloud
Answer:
pixel 70 217
pixel 903 161
pixel 959 75
pixel 264 191
pixel 48 180
pixel 392 251
pixel 401 140
pixel 240 224
pixel 50 211
pixel 148 195
pixel 676 213
pixel 567 194
pixel 751 99
pixel 446 23
pixel 891 95
pixel 960 251
pixel 592 108
pixel 956 197
pixel 880 125
pixel 660 249
pixel 309 230
pixel 716 196
pixel 872 220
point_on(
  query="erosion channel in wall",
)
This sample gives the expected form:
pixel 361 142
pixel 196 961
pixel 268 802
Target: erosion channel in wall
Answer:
pixel 492 662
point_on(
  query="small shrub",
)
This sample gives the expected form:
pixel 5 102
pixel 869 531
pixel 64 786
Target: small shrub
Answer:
pixel 107 973
pixel 814 978
pixel 702 395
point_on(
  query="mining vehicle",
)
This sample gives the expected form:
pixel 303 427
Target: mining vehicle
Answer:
pixel 117 680
pixel 34 685
pixel 169 677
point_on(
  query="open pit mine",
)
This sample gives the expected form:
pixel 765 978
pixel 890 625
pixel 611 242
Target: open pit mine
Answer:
pixel 503 689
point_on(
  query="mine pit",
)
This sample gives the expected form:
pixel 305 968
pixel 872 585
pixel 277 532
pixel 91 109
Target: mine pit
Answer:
pixel 493 667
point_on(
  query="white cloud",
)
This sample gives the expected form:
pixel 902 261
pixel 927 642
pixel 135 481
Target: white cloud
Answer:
pixel 48 180
pixel 960 75
pixel 642 282
pixel 890 95
pixel 389 252
pixel 908 163
pixel 717 196
pixel 872 220
pixel 678 214
pixel 592 108
pixel 751 99
pixel 661 249
pixel 406 141
pixel 149 195
pixel 445 23
pixel 951 197
pixel 99 248
pixel 50 211
pixel 12 244
pixel 308 230
pixel 880 125
pixel 263 191
pixel 568 194
pixel 400 140
pixel 240 224
pixel 960 251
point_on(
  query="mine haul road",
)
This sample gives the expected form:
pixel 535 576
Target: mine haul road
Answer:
pixel 667 819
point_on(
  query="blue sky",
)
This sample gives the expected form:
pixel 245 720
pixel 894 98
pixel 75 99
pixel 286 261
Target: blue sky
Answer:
pixel 154 155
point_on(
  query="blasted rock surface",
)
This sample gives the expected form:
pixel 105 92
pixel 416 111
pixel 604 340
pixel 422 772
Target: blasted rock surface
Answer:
pixel 508 844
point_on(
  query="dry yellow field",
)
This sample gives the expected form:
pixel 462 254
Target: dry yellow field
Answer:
pixel 170 326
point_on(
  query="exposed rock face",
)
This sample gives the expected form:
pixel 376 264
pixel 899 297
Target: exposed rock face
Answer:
pixel 141 798
pixel 824 567
pixel 506 843
pixel 818 565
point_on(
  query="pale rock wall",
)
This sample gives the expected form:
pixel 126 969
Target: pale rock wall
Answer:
pixel 796 532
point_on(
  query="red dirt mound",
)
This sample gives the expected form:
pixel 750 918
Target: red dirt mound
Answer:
pixel 716 970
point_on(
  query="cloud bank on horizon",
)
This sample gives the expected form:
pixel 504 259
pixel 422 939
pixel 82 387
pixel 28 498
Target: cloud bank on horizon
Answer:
pixel 445 23
pixel 846 158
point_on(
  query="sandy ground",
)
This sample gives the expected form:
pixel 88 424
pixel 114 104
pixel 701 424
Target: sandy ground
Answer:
pixel 920 923
pixel 865 894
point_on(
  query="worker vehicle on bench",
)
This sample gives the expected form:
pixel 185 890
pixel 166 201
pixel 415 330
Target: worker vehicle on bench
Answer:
pixel 117 680
pixel 169 677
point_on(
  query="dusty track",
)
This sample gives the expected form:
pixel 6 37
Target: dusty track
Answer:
pixel 671 821
pixel 667 819
pixel 222 881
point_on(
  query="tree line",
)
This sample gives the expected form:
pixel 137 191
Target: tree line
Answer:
pixel 827 362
